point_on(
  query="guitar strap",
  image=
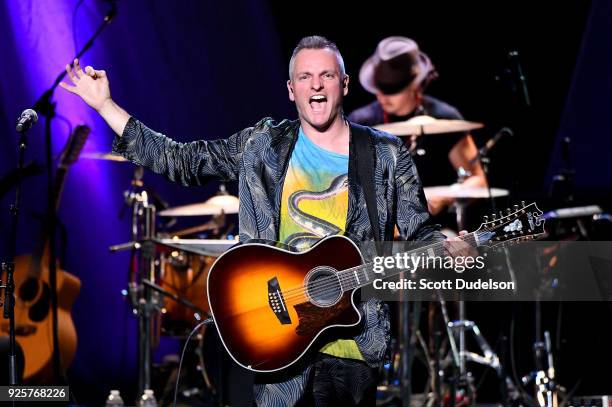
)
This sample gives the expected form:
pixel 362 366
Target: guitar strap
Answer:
pixel 365 164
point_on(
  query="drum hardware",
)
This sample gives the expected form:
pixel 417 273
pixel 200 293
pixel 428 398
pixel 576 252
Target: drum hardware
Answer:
pixel 150 256
pixel 489 358
pixel 198 312
pixel 143 267
pixel 217 222
pixel 461 196
pixel 461 326
pixel 462 382
pixel 546 388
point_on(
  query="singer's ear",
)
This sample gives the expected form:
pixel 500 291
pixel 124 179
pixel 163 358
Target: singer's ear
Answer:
pixel 290 90
pixel 345 82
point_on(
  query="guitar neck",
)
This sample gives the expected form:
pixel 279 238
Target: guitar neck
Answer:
pixel 364 274
pixel 58 185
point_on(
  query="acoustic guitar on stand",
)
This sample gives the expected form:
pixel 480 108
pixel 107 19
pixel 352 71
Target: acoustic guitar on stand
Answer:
pixel 33 315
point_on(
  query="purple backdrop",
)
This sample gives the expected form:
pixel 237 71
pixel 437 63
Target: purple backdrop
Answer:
pixel 201 69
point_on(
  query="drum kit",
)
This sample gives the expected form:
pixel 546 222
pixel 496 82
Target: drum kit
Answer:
pixel 397 382
pixel 168 269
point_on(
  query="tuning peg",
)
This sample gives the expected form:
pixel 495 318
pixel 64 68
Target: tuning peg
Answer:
pixel 516 208
pixel 493 217
pixel 508 211
pixel 485 218
pixel 501 214
pixel 523 204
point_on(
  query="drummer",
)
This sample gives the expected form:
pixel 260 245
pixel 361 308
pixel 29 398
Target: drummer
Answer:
pixel 398 73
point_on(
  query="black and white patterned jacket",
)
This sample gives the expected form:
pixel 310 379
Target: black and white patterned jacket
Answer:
pixel 257 157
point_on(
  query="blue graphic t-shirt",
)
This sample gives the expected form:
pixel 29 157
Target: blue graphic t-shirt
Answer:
pixel 314 205
pixel 315 194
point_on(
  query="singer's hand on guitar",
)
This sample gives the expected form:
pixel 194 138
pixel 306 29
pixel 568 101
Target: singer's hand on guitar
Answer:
pixel 456 247
pixel 91 85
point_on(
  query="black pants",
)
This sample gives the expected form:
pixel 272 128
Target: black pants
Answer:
pixel 340 382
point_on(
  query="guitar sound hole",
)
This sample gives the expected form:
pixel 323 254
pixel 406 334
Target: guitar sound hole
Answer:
pixel 323 286
pixel 40 309
pixel 28 290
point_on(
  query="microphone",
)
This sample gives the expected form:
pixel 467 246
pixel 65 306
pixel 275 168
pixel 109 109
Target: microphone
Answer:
pixel 493 140
pixel 505 131
pixel 26 120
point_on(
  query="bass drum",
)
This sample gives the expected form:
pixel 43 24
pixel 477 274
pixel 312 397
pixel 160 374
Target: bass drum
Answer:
pixel 185 275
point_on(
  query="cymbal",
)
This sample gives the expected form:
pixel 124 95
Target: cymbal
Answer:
pixel 227 204
pixel 458 191
pixel 104 157
pixel 419 125
pixel 205 247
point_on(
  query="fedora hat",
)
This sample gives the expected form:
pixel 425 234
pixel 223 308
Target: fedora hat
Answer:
pixel 396 63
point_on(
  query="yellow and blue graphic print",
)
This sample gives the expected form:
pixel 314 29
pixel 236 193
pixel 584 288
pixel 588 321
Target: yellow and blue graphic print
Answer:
pixel 314 205
pixel 315 194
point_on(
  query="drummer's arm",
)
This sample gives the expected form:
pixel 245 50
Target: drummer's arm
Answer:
pixel 460 156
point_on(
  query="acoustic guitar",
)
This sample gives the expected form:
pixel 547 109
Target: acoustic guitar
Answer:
pixel 33 317
pixel 271 306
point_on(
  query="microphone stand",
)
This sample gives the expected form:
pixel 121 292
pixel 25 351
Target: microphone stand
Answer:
pixel 45 106
pixel 9 267
pixel 483 158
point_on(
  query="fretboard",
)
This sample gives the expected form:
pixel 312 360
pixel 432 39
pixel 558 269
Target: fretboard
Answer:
pixel 364 274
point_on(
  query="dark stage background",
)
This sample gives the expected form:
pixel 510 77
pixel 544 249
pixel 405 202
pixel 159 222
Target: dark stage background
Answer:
pixel 205 69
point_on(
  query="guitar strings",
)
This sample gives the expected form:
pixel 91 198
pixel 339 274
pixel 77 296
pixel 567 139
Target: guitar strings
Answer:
pixel 329 282
pixel 304 293
pixel 326 283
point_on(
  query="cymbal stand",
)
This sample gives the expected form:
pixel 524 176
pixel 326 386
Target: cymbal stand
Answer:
pixel 546 387
pixel 459 329
pixel 145 301
pixel 148 301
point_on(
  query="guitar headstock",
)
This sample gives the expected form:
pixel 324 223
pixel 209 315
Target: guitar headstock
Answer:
pixel 520 223
pixel 74 145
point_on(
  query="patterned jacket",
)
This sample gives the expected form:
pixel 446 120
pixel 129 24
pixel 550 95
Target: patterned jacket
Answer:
pixel 257 157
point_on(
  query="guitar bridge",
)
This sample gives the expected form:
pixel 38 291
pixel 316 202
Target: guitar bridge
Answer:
pixel 277 302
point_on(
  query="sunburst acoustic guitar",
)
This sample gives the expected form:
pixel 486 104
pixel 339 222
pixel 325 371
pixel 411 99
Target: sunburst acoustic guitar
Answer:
pixel 271 306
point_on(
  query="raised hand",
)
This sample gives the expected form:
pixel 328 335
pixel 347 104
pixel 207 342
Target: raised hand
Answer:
pixel 91 85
